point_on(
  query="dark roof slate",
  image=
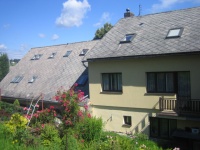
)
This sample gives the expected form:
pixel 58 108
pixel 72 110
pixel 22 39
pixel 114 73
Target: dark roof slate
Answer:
pixel 51 73
pixel 151 35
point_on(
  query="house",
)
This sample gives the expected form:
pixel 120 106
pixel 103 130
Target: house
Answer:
pixel 45 70
pixel 144 75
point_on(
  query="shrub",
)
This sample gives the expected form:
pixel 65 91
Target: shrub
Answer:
pixel 50 135
pixel 90 128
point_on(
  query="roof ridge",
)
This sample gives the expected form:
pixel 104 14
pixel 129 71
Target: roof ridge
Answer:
pixel 183 9
pixel 62 44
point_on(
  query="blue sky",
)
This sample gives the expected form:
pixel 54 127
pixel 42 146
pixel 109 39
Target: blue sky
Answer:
pixel 25 24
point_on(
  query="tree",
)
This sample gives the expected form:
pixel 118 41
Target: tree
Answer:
pixel 102 31
pixel 4 65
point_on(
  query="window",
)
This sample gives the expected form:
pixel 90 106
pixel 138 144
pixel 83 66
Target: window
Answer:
pixel 17 79
pixel 174 33
pixel 32 79
pixel 160 127
pixel 128 38
pixel 161 82
pixel 67 54
pixel 127 120
pixel 83 52
pixel 52 56
pixel 112 82
pixel 36 57
pixel 82 80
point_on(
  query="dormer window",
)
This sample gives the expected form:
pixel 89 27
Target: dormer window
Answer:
pixel 83 52
pixel 17 79
pixel 67 54
pixel 36 57
pixel 128 38
pixel 32 79
pixel 52 56
pixel 174 33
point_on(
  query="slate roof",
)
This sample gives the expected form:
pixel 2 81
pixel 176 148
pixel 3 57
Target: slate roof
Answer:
pixel 151 31
pixel 51 73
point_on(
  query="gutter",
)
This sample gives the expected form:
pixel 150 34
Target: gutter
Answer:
pixel 142 56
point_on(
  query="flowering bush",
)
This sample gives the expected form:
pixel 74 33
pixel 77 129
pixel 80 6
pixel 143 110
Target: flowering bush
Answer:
pixel 69 100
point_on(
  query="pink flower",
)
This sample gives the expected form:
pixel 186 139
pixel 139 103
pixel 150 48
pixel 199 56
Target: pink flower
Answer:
pixel 80 113
pixel 37 106
pixel 35 115
pixel 25 108
pixel 76 84
pixel 51 107
pixel 89 115
pixel 86 106
pixel 42 125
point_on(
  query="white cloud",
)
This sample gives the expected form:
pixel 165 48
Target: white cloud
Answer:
pixel 165 4
pixel 3 47
pixel 104 18
pixel 55 37
pixel 41 35
pixel 73 13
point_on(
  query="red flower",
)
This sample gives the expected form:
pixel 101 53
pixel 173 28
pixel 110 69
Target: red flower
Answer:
pixel 42 125
pixel 64 96
pixel 25 108
pixel 80 113
pixel 86 106
pixel 89 115
pixel 51 107
pixel 76 84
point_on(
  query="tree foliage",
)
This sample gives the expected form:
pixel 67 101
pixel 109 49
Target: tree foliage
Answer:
pixel 102 31
pixel 4 65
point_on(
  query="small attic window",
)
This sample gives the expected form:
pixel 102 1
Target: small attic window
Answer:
pixel 52 56
pixel 128 38
pixel 17 79
pixel 82 80
pixel 36 57
pixel 32 79
pixel 83 52
pixel 174 33
pixel 67 54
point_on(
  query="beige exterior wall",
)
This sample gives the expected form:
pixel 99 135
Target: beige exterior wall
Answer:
pixel 134 99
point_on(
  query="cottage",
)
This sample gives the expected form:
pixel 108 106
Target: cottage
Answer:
pixel 144 74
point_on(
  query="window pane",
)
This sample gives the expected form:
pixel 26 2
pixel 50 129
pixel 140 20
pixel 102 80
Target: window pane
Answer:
pixel 105 78
pixel 174 32
pixel 119 82
pixel 160 82
pixel 184 85
pixel 170 82
pixel 151 82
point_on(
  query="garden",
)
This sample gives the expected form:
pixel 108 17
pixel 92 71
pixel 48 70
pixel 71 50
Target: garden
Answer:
pixel 73 128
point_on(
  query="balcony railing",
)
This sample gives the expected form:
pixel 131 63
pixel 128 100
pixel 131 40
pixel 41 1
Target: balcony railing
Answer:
pixel 180 106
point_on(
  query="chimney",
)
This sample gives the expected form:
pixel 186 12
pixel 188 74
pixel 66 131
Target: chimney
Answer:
pixel 128 13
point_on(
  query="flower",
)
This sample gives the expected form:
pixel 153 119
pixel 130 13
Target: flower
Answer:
pixel 42 125
pixel 76 84
pixel 89 115
pixel 25 108
pixel 37 106
pixel 80 113
pixel 51 107
pixel 86 106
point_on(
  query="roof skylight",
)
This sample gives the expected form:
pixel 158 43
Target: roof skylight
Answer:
pixel 32 79
pixel 67 54
pixel 83 52
pixel 17 79
pixel 52 55
pixel 174 33
pixel 36 57
pixel 128 38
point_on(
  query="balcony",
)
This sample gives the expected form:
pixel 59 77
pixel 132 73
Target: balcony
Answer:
pixel 179 107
